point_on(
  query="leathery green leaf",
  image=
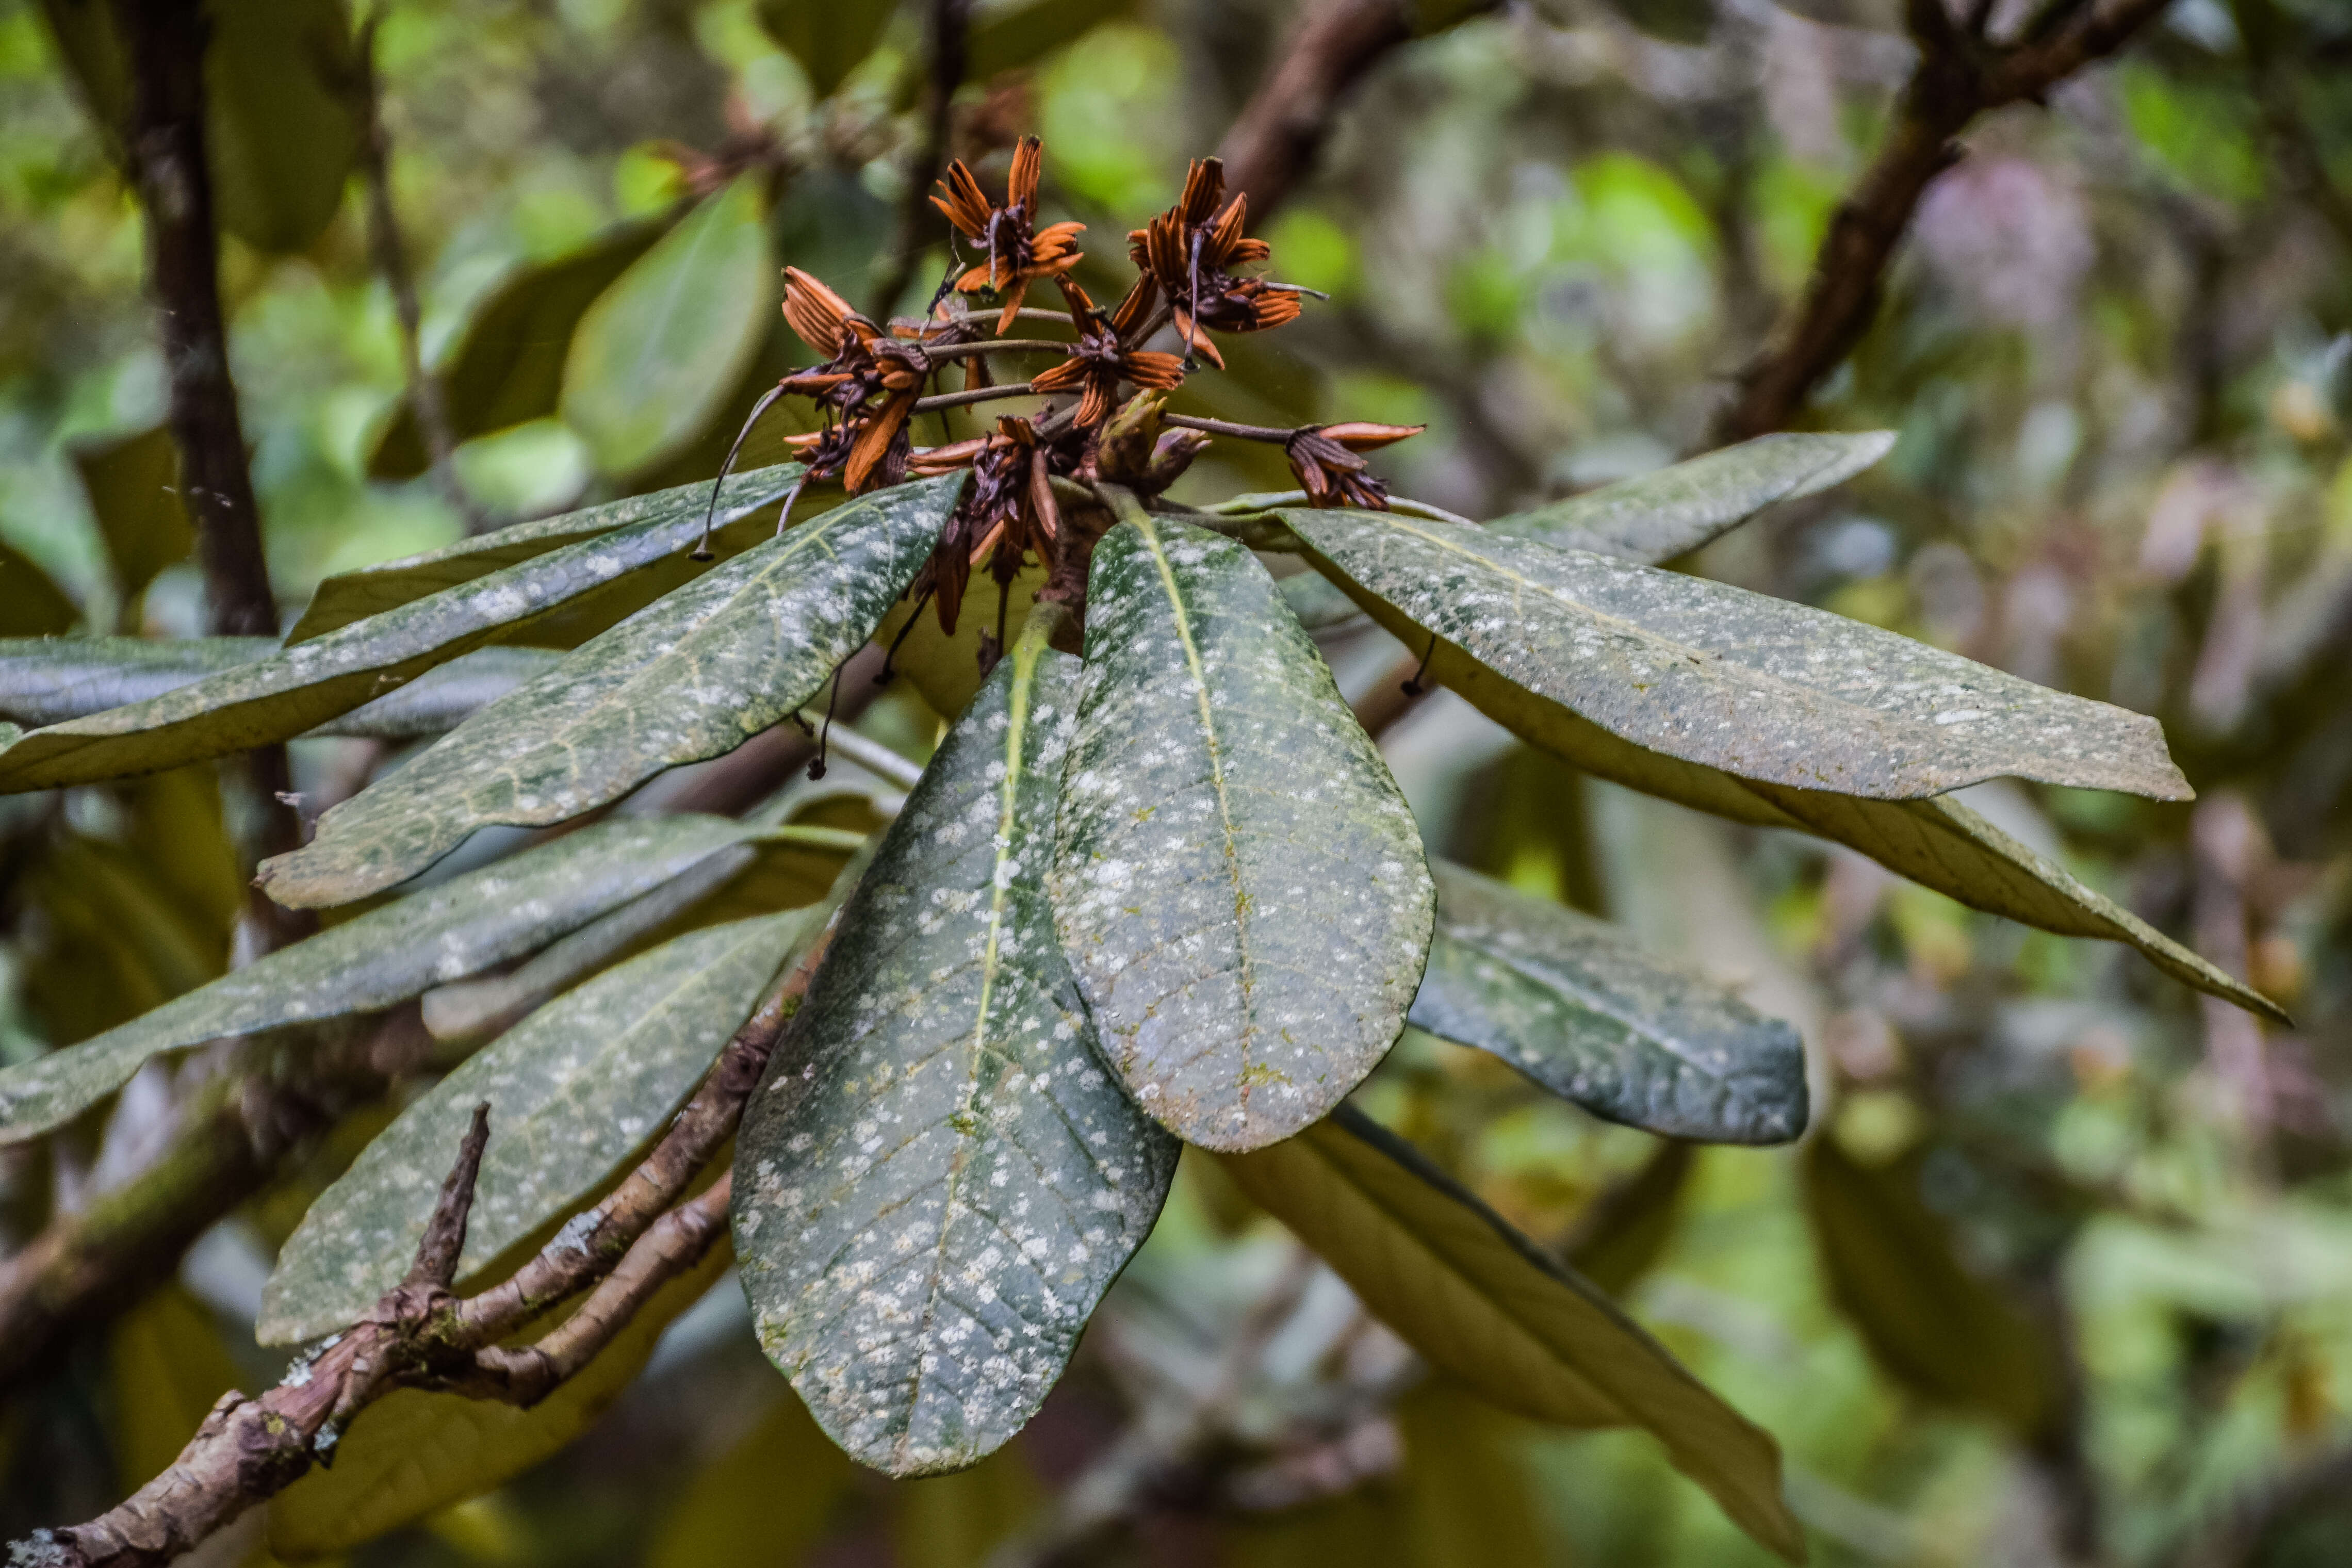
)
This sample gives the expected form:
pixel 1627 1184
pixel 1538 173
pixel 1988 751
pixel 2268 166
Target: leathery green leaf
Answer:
pixel 1653 518
pixel 675 516
pixel 937 1180
pixel 306 684
pixel 1238 883
pixel 1578 1006
pixel 575 1091
pixel 377 958
pixel 1937 842
pixel 693 676
pixel 31 603
pixel 828 40
pixel 412 1453
pixel 55 680
pixel 658 349
pixel 133 485
pixel 1483 1302
pixel 283 122
pixel 1706 673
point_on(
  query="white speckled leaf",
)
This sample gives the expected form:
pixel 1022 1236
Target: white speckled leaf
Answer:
pixel 575 1090
pixel 676 512
pixel 1938 843
pixel 1653 518
pixel 377 958
pixel 1483 1302
pixel 1238 883
pixel 693 676
pixel 54 680
pixel 1706 673
pixel 303 686
pixel 1580 1007
pixel 937 1181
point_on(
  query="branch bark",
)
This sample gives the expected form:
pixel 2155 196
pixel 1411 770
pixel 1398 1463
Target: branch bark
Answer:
pixel 1961 74
pixel 421 1335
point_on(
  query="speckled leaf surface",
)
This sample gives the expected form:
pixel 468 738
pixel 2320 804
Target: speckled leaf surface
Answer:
pixel 676 514
pixel 1238 883
pixel 1938 843
pixel 1703 672
pixel 1483 1302
pixel 54 680
pixel 308 683
pixel 1653 518
pixel 693 676
pixel 377 958
pixel 575 1091
pixel 937 1179
pixel 1580 1007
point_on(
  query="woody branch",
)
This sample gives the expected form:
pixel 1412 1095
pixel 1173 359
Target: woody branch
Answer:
pixel 421 1335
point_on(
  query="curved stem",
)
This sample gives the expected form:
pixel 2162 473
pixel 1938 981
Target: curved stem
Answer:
pixel 1274 433
pixel 974 394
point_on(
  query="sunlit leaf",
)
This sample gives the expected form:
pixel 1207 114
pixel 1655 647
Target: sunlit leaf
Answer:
pixel 1654 518
pixel 133 486
pixel 1931 1323
pixel 31 604
pixel 1005 35
pixel 694 676
pixel 412 1453
pixel 507 364
pixel 938 1180
pixel 1482 1303
pixel 303 686
pixel 1238 883
pixel 1703 672
pixel 168 1365
pixel 1580 1007
pixel 668 338
pixel 734 1512
pixel 828 38
pixel 384 956
pixel 575 1092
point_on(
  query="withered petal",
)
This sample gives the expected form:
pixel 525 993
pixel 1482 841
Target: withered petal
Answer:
pixel 874 441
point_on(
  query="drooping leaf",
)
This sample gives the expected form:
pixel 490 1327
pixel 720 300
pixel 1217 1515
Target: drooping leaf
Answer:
pixel 55 681
pixel 377 958
pixel 1580 1007
pixel 959 1520
pixel 1703 672
pixel 675 515
pixel 693 676
pixel 133 486
pixel 169 1365
pixel 658 348
pixel 734 1512
pixel 1654 518
pixel 1008 35
pixel 938 1180
pixel 1932 1323
pixel 282 120
pixel 1937 842
pixel 1318 605
pixel 412 1453
pixel 506 365
pixel 575 1092
pixel 303 686
pixel 113 942
pixel 31 603
pixel 1482 1303
pixel 1238 883
pixel 1626 1228
pixel 827 40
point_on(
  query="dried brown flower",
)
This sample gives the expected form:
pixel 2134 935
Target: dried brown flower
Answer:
pixel 1325 459
pixel 1098 362
pixel 1017 251
pixel 1191 251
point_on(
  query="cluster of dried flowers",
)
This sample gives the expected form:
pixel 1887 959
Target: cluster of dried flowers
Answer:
pixel 873 379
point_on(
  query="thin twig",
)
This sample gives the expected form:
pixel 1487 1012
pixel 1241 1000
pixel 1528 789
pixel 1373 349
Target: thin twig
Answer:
pixel 1274 433
pixel 973 394
pixel 872 756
